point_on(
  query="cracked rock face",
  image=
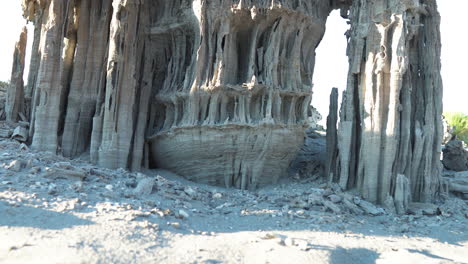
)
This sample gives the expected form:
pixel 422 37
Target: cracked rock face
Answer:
pixel 219 91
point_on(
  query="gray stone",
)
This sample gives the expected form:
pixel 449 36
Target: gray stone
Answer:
pixel 144 187
pixel 352 207
pixel 15 165
pixel 369 208
pixel 332 207
pixel 315 199
pixel 455 156
pixel 423 209
pixel 20 134
pixel 5 132
pixel 402 194
pixel 182 214
pixel 335 198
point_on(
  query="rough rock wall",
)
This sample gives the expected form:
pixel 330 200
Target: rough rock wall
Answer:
pixel 218 91
pixel 237 87
pixel 390 121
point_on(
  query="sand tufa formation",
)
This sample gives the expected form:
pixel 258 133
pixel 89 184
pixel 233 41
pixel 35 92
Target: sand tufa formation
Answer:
pixel 219 91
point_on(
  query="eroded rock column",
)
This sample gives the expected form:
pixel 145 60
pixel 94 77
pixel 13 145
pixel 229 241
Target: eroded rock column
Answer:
pixel 88 79
pixel 14 104
pixel 390 124
pixel 56 49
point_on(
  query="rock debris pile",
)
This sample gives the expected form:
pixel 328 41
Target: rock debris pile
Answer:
pixel 100 214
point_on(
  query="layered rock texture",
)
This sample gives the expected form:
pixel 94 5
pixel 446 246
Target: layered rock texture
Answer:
pixel 390 120
pixel 219 91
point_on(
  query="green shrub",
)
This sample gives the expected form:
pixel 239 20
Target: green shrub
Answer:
pixel 460 123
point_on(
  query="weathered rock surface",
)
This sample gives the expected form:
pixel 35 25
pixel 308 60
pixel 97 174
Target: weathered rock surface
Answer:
pixel 235 97
pixel 14 103
pixel 219 91
pixel 390 118
pixel 455 156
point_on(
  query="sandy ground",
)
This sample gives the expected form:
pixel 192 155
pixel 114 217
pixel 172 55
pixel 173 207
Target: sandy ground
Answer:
pixel 48 214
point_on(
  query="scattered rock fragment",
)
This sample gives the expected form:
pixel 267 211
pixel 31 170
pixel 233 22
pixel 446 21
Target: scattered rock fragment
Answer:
pixel 217 196
pixel 369 208
pixel 353 208
pixel 15 165
pixel 57 173
pixel 64 165
pixel 332 207
pixel 389 205
pixel 402 194
pixel 315 199
pixel 175 225
pixel 190 192
pixel 77 186
pixel 404 228
pixel 423 209
pixel 20 134
pixel 35 170
pixel 144 187
pixel 5 132
pixel 457 183
pixel 455 157
pixel 23 147
pixel 182 214
pixel 335 198
pixel 52 189
pixel 298 203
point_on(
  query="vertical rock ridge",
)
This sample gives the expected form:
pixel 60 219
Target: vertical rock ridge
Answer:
pixel 14 104
pixel 395 93
pixel 86 80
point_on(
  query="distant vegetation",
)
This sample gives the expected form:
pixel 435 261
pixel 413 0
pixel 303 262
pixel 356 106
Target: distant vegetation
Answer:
pixel 3 85
pixel 460 123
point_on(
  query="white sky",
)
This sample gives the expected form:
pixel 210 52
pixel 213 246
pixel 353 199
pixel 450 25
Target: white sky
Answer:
pixel 331 63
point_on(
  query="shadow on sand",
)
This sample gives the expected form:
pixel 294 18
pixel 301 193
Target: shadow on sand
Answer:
pixel 37 218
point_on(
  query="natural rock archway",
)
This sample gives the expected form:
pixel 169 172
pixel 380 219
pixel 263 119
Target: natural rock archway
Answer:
pixel 218 91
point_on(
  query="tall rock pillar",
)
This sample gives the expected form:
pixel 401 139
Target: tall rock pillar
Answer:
pixel 56 49
pixel 390 120
pixel 15 93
